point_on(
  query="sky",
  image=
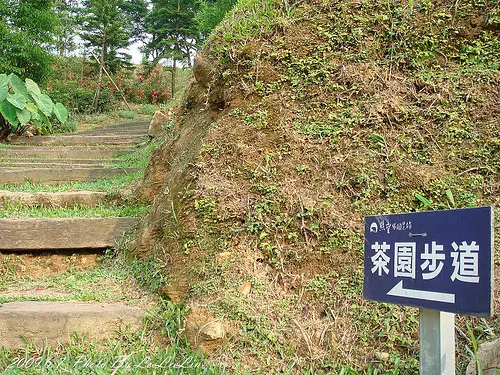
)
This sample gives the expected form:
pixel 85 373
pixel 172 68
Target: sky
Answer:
pixel 134 51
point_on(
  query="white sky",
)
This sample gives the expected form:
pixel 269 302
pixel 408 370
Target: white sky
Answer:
pixel 136 54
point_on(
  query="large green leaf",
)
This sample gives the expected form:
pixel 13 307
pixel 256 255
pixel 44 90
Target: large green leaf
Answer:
pixel 32 87
pixel 44 103
pixel 4 79
pixel 4 90
pixel 8 112
pixel 46 124
pixel 31 107
pixel 24 116
pixel 17 85
pixel 61 112
pixel 17 100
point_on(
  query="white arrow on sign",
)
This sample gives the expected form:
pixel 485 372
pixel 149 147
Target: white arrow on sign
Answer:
pixel 399 291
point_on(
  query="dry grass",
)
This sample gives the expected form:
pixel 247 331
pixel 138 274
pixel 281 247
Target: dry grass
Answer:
pixel 325 120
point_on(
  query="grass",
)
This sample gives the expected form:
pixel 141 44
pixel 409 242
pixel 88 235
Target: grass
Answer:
pixel 111 279
pixel 349 110
pixel 126 356
pixel 100 210
pixel 137 159
pixel 157 349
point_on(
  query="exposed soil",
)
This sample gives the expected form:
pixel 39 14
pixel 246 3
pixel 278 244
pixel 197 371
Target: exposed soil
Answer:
pixel 296 127
pixel 46 264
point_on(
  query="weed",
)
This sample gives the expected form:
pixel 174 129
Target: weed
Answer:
pixel 130 115
pixel 147 109
pixel 100 210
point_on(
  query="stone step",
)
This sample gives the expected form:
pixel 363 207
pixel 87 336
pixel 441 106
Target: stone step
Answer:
pixel 66 140
pixel 14 164
pixel 63 233
pixel 137 124
pixel 52 200
pixel 50 323
pixel 142 129
pixel 116 132
pixel 35 161
pixel 59 175
pixel 75 152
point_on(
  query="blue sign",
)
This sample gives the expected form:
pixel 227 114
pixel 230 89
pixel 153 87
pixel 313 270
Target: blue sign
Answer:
pixel 440 260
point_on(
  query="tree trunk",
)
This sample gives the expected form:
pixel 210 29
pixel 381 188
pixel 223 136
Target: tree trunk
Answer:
pixel 188 54
pixel 174 75
pixel 95 103
pixel 5 129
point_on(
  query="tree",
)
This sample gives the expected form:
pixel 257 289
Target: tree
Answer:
pixel 211 14
pixel 108 26
pixel 66 30
pixel 174 32
pixel 135 11
pixel 26 29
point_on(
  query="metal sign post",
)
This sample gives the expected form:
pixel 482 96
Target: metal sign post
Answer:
pixel 438 261
pixel 437 342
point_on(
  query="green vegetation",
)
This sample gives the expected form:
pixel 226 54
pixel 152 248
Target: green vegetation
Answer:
pixel 23 103
pixel 129 355
pixel 101 210
pixel 322 113
pixel 26 26
pixel 317 114
pixel 157 348
pixel 211 13
pixel 138 159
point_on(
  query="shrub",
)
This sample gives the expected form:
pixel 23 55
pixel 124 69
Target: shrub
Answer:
pixel 23 103
pixel 145 86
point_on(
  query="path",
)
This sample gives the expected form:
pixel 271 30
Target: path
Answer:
pixel 52 161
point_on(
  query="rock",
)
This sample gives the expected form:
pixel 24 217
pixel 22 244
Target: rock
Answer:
pixel 203 331
pixel 382 356
pixel 55 322
pixel 223 257
pixel 489 357
pixel 158 122
pixel 203 70
pixel 245 288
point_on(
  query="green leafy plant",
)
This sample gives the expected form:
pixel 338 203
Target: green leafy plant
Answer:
pixel 23 103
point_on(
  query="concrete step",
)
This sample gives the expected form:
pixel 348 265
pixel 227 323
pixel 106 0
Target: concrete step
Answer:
pixel 34 161
pixel 129 129
pixel 50 323
pixel 75 152
pixel 56 175
pixel 14 164
pixel 63 233
pixel 117 132
pixel 52 200
pixel 142 124
pixel 66 140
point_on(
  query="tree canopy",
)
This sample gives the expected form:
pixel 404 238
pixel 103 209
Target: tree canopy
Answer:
pixel 211 13
pixel 27 29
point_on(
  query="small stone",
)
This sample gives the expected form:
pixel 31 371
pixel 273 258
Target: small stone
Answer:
pixel 203 330
pixel 382 356
pixel 156 125
pixel 245 288
pixel 489 357
pixel 223 257
pixel 213 331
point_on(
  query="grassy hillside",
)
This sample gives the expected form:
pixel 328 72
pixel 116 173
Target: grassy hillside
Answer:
pixel 304 117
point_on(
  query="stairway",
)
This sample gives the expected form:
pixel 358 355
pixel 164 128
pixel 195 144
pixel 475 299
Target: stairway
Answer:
pixel 50 162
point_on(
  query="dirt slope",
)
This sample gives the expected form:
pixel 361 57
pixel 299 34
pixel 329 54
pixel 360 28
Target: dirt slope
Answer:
pixel 304 117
